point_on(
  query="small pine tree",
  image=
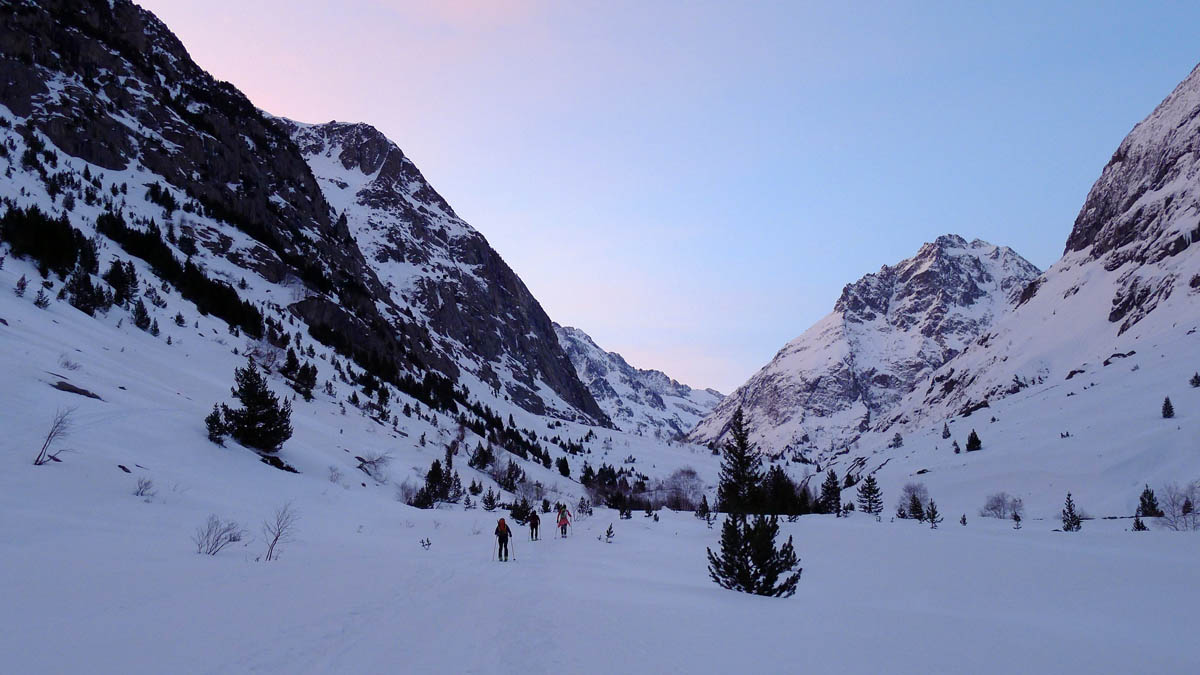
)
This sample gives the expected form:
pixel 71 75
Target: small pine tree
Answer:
pixel 215 424
pixel 932 515
pixel 973 442
pixel 749 562
pixel 870 497
pixel 897 441
pixel 1148 504
pixel 1016 518
pixel 489 501
pixel 957 449
pixel 467 503
pixel 963 521
pixel 915 508
pixel 22 284
pixel 1070 519
pixel 1195 381
pixel 702 511
pixel 945 430
pixel 609 534
pixel 831 494
pixel 41 300
pixel 261 423
pixel 563 467
pixel 1168 410
pixel 1138 525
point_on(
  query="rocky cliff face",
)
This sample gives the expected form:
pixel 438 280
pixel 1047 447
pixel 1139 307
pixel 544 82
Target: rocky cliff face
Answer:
pixel 887 331
pixel 332 221
pixel 645 402
pixel 440 272
pixel 1127 281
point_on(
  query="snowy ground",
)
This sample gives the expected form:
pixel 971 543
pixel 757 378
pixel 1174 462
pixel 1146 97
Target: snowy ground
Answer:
pixel 98 580
pixel 109 584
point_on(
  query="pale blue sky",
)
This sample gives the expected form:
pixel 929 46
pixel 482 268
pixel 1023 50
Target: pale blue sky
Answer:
pixel 692 183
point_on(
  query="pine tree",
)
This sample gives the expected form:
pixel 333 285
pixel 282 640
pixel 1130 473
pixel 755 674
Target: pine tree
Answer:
pixel 1148 504
pixel 778 493
pixel 1168 410
pixel 22 284
pixel 609 534
pixel 489 501
pixel 741 470
pixel 702 511
pixel 932 515
pixel 563 467
pixel 467 503
pixel 1195 381
pixel 1016 518
pixel 957 449
pixel 216 426
pixel 141 318
pixel 915 508
pixel 870 497
pixel 749 561
pixel 1138 525
pixel 897 441
pixel 1070 519
pixel 831 494
pixel 41 300
pixel 973 442
pixel 261 423
pixel 945 430
pixel 963 521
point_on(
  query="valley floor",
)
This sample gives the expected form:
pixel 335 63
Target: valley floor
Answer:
pixel 116 586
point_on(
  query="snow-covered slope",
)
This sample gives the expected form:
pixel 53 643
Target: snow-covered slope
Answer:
pixel 1127 283
pixel 646 402
pixel 886 333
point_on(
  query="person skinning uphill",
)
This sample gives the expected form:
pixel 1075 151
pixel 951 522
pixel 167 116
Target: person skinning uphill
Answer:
pixel 502 535
pixel 534 522
pixel 564 518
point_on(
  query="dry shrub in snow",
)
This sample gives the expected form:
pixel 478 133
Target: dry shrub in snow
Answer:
pixel 1001 505
pixel 1179 506
pixel 145 488
pixel 216 534
pixel 279 530
pixel 60 428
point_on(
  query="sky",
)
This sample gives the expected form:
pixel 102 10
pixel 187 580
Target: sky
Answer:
pixel 693 183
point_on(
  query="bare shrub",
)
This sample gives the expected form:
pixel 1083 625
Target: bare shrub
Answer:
pixel 1002 505
pixel 907 494
pixel 406 491
pixel 279 530
pixel 335 474
pixel 145 488
pixel 216 534
pixel 65 362
pixel 60 428
pixel 682 490
pixel 1179 507
pixel 375 465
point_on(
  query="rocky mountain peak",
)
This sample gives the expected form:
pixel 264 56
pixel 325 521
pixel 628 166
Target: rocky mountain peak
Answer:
pixel 887 331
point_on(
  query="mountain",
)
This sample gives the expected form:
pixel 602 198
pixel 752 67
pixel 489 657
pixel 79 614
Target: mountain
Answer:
pixel 887 332
pixel 646 402
pixel 440 272
pixel 1126 285
pixel 109 115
